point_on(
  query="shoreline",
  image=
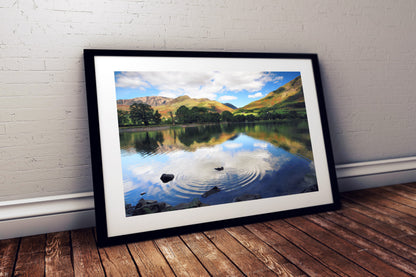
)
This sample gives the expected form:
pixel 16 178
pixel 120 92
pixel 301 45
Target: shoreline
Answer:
pixel 166 127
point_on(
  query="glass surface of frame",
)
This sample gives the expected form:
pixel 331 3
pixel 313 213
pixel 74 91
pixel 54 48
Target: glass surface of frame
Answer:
pixel 185 141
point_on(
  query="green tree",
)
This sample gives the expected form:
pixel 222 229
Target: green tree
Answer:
pixel 250 118
pixel 183 114
pixel 141 113
pixel 227 116
pixel 157 117
pixel 123 117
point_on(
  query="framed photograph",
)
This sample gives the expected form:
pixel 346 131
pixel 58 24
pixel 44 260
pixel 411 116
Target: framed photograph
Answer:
pixel 189 141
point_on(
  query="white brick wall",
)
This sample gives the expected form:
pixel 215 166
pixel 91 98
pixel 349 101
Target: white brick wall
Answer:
pixel 366 48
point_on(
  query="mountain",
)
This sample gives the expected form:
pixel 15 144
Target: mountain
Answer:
pixel 154 101
pixel 189 102
pixel 166 105
pixel 231 106
pixel 287 97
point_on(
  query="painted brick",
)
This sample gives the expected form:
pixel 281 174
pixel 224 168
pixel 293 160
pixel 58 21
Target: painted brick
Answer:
pixel 366 50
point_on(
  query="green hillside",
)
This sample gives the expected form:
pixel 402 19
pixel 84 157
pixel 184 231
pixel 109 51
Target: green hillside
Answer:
pixel 211 105
pixel 286 99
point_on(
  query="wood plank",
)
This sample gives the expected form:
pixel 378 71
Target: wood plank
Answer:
pixel 8 253
pixel 361 230
pixel 412 185
pixel 304 261
pixel 181 259
pixel 400 224
pixel 212 259
pixel 345 248
pixel 382 192
pixel 382 201
pixel 407 187
pixel 238 254
pixel 31 256
pixel 379 226
pixel 86 258
pixel 402 190
pixel 117 261
pixel 365 245
pixel 149 259
pixel 58 255
pixel 338 263
pixel 373 205
pixel 270 257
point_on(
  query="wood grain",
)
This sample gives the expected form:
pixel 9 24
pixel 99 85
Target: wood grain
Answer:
pixel 213 260
pixel 58 255
pixel 246 261
pixel 338 263
pixel 8 251
pixel 149 260
pixel 31 257
pixel 117 261
pixel 345 248
pixel 366 245
pixel 86 258
pixel 180 258
pixel 290 251
pixel 373 234
pixel 371 204
pixel 407 228
pixel 270 257
pixel 392 245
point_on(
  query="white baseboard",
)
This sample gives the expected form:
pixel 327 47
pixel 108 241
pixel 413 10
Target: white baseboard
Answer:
pixel 73 211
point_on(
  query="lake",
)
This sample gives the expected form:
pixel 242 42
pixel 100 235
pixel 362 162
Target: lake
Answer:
pixel 214 164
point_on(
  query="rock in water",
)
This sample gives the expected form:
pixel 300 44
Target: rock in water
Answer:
pixel 245 197
pixel 211 191
pixel 167 177
pixel 219 168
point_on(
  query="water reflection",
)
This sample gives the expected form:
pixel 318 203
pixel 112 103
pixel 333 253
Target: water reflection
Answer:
pixel 251 160
pixel 293 137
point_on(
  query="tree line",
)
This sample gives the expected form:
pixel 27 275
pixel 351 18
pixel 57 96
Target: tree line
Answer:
pixel 142 114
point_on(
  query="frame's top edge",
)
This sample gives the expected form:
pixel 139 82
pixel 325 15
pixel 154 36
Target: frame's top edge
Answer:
pixel 179 53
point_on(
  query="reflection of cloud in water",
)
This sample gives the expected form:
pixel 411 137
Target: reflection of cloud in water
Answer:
pixel 260 145
pixel 233 145
pixel 195 171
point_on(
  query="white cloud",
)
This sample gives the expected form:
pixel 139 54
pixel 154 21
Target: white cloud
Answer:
pixel 256 95
pixel 227 98
pixel 233 145
pixel 195 84
pixel 260 145
pixel 130 80
pixel 277 79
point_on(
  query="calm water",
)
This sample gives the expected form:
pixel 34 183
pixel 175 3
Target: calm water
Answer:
pixel 261 159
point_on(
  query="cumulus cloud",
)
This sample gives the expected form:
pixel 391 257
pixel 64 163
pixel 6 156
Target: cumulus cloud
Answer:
pixel 130 80
pixel 256 95
pixel 195 84
pixel 227 98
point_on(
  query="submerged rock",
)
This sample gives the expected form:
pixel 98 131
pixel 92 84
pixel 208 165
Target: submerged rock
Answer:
pixel 150 206
pixel 193 204
pixel 167 177
pixel 245 197
pixel 311 188
pixel 211 191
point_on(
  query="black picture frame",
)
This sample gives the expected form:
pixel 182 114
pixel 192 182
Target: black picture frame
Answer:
pixel 113 224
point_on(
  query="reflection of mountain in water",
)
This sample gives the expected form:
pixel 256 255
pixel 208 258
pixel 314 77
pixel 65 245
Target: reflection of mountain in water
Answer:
pixel 292 137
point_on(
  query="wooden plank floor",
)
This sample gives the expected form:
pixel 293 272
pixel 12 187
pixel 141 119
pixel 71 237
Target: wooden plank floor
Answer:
pixel 372 235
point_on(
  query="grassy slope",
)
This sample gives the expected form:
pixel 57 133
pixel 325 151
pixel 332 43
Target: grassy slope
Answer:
pixel 214 106
pixel 289 96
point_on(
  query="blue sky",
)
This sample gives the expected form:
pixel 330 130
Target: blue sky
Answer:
pixel 237 88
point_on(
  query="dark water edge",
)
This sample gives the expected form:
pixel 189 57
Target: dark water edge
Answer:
pixel 145 206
